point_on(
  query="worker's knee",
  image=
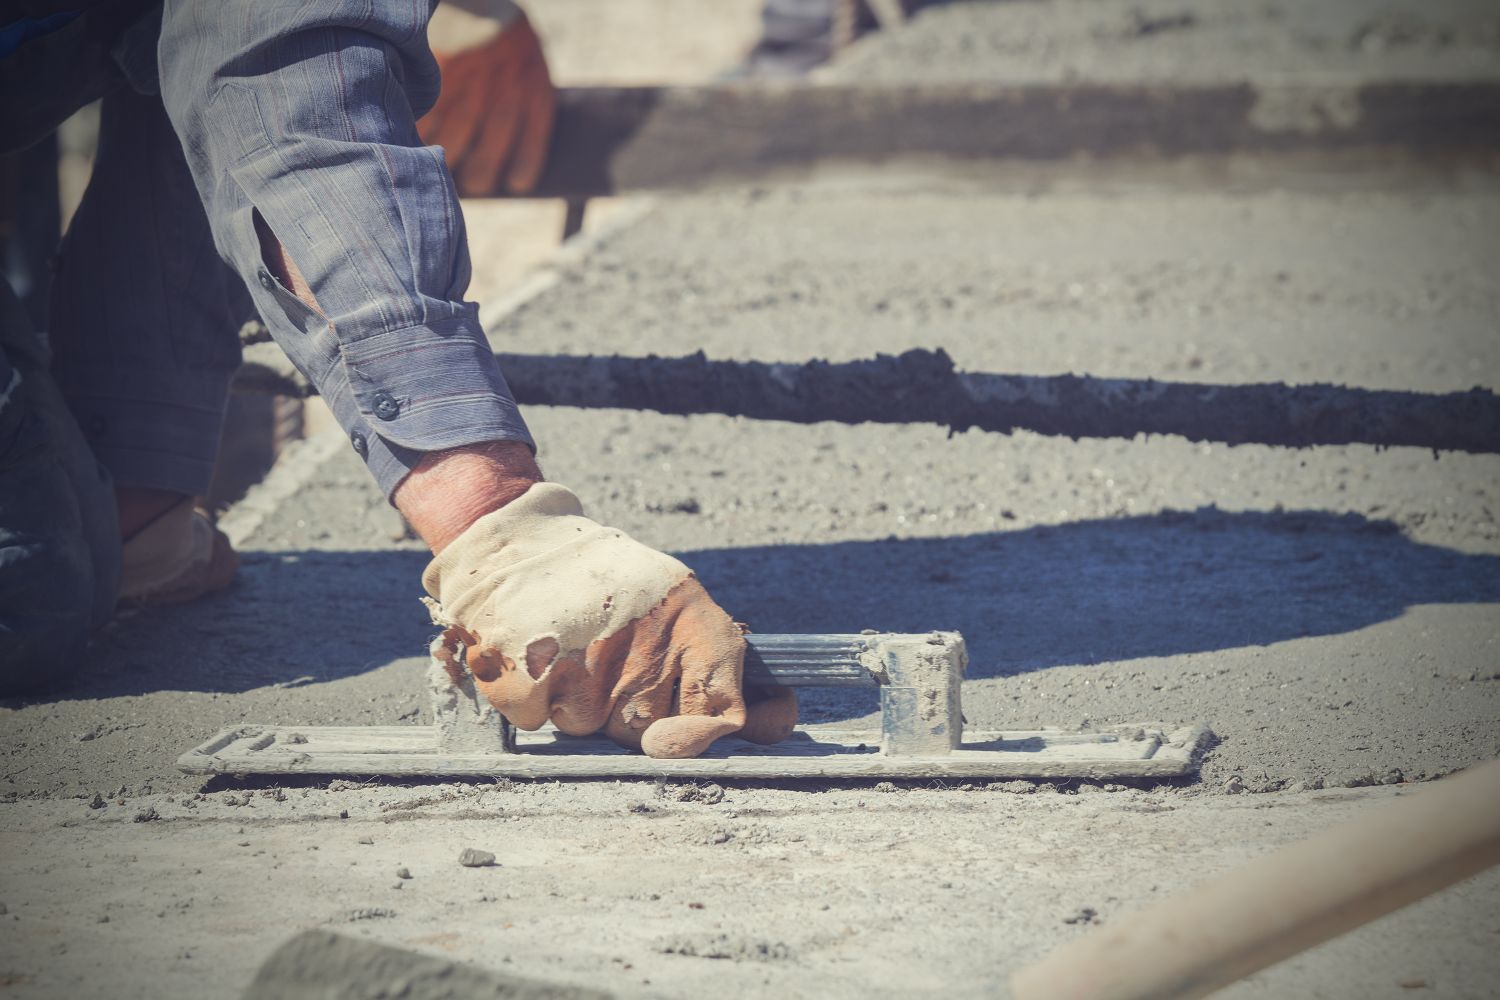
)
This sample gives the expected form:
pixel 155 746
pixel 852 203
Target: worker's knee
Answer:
pixel 59 534
pixel 47 579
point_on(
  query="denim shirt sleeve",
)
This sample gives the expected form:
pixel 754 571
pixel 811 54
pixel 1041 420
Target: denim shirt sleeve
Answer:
pixel 305 114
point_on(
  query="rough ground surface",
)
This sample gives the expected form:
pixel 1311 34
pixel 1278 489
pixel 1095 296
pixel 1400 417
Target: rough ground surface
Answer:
pixel 1333 613
pixel 1189 41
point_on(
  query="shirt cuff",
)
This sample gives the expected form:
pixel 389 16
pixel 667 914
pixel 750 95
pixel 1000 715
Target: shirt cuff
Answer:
pixel 417 390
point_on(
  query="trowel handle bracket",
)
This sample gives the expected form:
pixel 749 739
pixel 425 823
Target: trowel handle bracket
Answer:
pixel 920 708
pixel 814 661
pixel 919 677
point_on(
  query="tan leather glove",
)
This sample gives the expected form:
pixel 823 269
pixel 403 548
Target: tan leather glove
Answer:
pixel 493 116
pixel 561 618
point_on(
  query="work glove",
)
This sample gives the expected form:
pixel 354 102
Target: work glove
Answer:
pixel 561 618
pixel 493 116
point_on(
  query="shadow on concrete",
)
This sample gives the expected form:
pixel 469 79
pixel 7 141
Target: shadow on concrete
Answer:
pixel 1090 591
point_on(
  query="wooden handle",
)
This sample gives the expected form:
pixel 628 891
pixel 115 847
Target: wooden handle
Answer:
pixel 1271 909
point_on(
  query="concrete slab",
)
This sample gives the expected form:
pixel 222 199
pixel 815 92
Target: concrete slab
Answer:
pixel 1333 613
pixel 670 893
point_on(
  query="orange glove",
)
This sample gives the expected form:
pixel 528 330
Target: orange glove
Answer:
pixel 494 114
pixel 560 618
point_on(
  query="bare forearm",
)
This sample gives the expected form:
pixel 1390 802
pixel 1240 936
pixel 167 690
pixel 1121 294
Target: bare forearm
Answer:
pixel 450 490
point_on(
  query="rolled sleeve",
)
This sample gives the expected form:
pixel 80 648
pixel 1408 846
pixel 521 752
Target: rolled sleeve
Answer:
pixel 304 114
pixel 422 389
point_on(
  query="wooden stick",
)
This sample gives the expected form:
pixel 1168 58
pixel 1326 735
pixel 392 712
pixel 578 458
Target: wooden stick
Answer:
pixel 1298 897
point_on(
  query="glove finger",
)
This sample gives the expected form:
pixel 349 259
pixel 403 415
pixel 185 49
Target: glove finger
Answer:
pixel 482 167
pixel 684 736
pixel 534 141
pixel 713 655
pixel 463 109
pixel 447 124
pixel 648 679
pixel 770 714
pixel 584 699
pixel 710 703
pixel 516 694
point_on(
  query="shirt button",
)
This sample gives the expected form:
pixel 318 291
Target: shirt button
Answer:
pixel 361 446
pixel 266 281
pixel 386 406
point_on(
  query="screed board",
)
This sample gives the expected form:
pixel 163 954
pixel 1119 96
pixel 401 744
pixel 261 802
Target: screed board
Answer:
pixel 811 752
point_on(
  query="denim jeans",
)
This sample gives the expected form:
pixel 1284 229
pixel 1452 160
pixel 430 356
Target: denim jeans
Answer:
pixel 301 112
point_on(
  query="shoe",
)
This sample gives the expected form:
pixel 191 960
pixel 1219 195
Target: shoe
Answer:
pixel 177 558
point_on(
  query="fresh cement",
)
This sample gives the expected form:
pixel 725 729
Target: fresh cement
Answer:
pixel 1333 613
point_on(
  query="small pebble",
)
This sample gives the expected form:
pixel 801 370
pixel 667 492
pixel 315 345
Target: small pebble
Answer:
pixel 472 858
pixel 368 913
pixel 886 786
pixel 403 872
pixel 1085 915
pixel 367 839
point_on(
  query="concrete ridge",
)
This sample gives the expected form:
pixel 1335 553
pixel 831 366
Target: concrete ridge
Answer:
pixel 294 469
pixel 570 254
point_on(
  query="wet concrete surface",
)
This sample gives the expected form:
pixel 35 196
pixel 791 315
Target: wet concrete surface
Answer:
pixel 1333 613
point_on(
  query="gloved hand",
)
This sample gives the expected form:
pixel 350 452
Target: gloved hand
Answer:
pixel 561 618
pixel 493 117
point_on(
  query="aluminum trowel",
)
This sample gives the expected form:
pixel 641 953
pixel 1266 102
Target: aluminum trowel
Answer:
pixel 921 733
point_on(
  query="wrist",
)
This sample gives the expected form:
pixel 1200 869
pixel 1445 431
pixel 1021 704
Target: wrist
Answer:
pixel 451 489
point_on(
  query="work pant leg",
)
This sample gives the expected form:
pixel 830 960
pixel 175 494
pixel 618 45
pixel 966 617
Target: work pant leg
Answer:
pixel 59 531
pixel 142 319
pixel 59 535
